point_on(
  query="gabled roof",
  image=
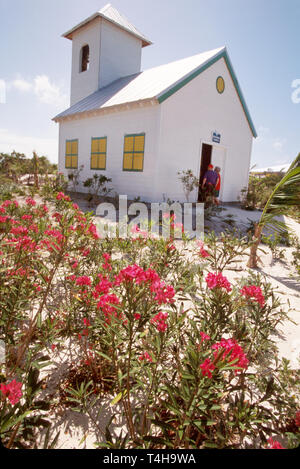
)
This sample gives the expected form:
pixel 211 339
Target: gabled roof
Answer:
pixel 114 16
pixel 157 83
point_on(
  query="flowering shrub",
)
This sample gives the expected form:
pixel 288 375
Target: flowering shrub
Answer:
pixel 12 391
pixel 217 281
pixel 185 356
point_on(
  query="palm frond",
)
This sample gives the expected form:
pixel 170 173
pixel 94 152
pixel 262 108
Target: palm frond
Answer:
pixel 286 194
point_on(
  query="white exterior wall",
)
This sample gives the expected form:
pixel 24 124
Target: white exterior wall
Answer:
pixel 115 126
pixel 121 54
pixel 85 83
pixel 188 119
pixel 175 132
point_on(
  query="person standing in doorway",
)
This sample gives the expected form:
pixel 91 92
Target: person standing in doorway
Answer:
pixel 209 181
pixel 217 186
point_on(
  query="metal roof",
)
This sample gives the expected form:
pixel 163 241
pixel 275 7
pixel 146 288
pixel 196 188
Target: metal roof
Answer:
pixel 114 16
pixel 144 85
pixel 157 83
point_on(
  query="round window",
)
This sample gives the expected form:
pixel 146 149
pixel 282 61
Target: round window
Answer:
pixel 220 85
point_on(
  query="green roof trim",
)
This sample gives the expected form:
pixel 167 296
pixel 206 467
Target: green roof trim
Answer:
pixel 223 54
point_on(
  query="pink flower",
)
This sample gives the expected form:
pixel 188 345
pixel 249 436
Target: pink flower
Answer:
pixel 159 320
pixel 30 201
pixel 19 230
pixel 207 367
pixel 217 281
pixel 168 215
pixel 297 418
pixel 12 391
pixel 145 356
pixel 255 293
pixel 202 253
pixel 6 203
pixel 137 316
pixel 75 264
pixel 204 336
pixel 106 265
pixel 106 303
pixel 135 229
pixel 231 352
pixel 83 280
pixel 102 287
pixel 163 294
pixel 274 444
pixel 129 274
pixel 93 231
pixel 62 196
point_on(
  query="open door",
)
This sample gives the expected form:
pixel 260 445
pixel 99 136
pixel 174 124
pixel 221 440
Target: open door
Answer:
pixel 206 156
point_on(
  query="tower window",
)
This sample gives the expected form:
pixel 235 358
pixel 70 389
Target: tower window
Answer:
pixel 84 58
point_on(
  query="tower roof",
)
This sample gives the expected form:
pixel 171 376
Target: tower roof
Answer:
pixel 111 14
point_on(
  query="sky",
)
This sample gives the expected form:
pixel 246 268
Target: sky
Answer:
pixel 262 38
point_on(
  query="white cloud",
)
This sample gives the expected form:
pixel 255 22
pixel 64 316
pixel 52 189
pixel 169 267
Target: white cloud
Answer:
pixel 10 141
pixel 2 92
pixel 48 93
pixel 262 133
pixel 278 144
pixel 263 130
pixel 22 85
pixel 45 91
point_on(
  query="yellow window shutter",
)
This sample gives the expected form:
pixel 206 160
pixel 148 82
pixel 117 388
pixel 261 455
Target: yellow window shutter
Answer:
pixel 74 147
pixel 139 143
pixel 68 148
pixel 138 162
pixel 94 145
pixel 94 162
pixel 68 161
pixel 128 144
pixel 127 161
pixel 102 145
pixel 101 161
pixel 74 161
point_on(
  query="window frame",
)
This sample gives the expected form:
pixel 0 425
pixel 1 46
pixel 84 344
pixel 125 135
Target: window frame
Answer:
pixel 223 84
pixel 71 154
pixel 142 134
pixel 81 59
pixel 99 153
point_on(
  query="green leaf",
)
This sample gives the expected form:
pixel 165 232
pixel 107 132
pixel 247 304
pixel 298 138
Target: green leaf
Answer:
pixel 103 355
pixel 207 444
pixel 118 397
pixel 215 407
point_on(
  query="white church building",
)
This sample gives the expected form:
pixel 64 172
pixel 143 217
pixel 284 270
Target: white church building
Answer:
pixel 141 128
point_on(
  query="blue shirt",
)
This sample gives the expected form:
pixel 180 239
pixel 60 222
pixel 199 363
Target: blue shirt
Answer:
pixel 211 177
